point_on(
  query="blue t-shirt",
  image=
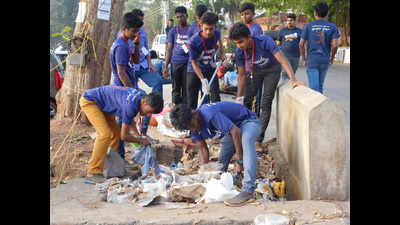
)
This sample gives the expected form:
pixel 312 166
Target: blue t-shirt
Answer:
pixel 119 55
pixel 177 40
pixel 143 43
pixel 218 119
pixel 319 35
pixel 290 39
pixel 193 29
pixel 119 101
pixel 264 50
pixel 197 52
pixel 255 30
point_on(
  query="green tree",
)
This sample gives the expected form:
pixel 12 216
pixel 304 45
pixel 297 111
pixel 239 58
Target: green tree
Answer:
pixel 62 16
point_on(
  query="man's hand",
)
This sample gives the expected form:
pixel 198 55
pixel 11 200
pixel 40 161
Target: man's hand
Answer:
pixel 239 100
pixel 144 141
pixel 222 57
pixel 165 72
pixel 204 85
pixel 296 83
pixel 136 40
pixel 151 67
pixel 238 167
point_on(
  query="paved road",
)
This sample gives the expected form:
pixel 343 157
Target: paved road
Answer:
pixel 337 88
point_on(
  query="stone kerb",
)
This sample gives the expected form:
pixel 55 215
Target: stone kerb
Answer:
pixel 311 131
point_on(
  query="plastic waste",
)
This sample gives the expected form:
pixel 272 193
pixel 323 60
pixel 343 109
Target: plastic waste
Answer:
pixel 114 165
pixel 164 126
pixel 210 167
pixel 218 190
pixel 271 219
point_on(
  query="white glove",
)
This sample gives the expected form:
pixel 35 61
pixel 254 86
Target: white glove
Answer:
pixel 204 85
pixel 239 100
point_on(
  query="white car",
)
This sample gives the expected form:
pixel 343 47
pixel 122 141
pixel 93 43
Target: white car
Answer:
pixel 159 45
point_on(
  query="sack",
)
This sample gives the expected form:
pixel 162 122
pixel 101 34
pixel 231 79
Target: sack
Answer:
pixel 114 165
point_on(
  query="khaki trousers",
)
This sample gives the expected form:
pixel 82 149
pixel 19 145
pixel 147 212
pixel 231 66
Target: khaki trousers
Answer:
pixel 108 134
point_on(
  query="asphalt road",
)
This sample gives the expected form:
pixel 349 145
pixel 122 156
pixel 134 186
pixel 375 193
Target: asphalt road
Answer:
pixel 336 87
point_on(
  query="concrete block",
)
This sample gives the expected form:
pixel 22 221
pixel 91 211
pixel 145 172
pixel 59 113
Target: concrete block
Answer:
pixel 311 131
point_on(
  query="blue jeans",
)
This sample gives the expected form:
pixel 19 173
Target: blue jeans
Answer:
pixel 151 78
pixel 121 144
pixel 316 77
pixel 160 67
pixel 250 130
pixel 294 63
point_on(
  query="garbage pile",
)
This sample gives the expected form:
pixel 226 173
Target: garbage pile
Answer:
pixel 187 181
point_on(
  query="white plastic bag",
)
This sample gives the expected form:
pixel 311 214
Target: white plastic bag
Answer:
pixel 220 190
pixel 271 219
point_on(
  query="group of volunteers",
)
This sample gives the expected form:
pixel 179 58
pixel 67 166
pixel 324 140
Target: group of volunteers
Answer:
pixel 191 61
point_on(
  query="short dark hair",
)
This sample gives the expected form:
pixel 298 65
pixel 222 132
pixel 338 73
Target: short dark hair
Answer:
pixel 322 9
pixel 180 9
pixel 247 5
pixel 130 20
pixel 137 12
pixel 291 15
pixel 155 101
pixel 238 31
pixel 153 54
pixel 172 20
pixel 209 18
pixel 181 117
pixel 200 10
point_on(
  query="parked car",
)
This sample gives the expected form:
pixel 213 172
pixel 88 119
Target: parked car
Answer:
pixel 57 72
pixel 159 45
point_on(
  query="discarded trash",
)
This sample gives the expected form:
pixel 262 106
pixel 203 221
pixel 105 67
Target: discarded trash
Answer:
pixel 186 192
pixel 114 165
pixel 146 158
pixel 209 167
pixel 220 190
pixel 164 126
pixel 271 219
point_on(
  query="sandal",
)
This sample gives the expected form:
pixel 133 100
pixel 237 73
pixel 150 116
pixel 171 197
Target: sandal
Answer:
pixel 96 178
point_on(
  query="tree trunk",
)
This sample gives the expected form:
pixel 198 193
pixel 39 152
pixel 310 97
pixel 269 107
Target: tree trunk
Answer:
pixel 97 69
pixel 213 6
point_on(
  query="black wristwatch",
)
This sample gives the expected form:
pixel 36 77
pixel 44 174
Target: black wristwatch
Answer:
pixel 239 161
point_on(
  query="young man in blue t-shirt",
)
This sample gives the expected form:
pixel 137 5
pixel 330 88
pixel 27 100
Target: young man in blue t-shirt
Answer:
pixel 178 55
pixel 322 42
pixel 202 48
pixel 145 70
pixel 259 61
pixel 289 38
pixel 198 13
pixel 236 126
pixel 247 12
pixel 121 56
pixel 101 105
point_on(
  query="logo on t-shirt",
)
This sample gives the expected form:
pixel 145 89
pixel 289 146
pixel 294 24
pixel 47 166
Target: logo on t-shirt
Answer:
pixel 291 37
pixel 262 61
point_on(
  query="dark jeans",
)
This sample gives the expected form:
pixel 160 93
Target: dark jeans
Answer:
pixel 193 86
pixel 294 62
pixel 178 75
pixel 268 78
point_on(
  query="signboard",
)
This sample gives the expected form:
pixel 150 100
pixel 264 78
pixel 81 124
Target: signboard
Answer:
pixel 103 11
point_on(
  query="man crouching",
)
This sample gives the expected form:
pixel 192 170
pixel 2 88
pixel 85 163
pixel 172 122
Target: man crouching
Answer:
pixel 237 126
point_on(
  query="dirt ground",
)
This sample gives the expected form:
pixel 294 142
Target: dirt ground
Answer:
pixel 69 156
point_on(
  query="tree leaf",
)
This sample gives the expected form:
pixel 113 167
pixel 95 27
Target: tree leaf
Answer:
pixel 66 29
pixel 55 34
